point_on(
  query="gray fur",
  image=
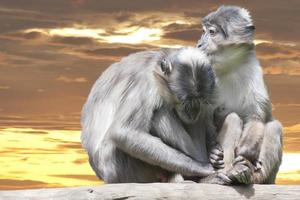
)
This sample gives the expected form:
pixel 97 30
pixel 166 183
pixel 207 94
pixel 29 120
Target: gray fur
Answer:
pixel 138 124
pixel 228 40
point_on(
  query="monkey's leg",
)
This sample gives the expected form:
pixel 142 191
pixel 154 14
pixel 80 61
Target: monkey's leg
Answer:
pixel 228 139
pixel 250 143
pixel 176 178
pixel 271 154
pixel 152 150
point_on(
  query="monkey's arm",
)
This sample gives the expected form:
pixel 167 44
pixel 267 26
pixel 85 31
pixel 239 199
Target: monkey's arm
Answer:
pixel 150 149
pixel 214 125
pixel 169 129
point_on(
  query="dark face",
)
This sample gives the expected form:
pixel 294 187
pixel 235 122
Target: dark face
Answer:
pixel 192 85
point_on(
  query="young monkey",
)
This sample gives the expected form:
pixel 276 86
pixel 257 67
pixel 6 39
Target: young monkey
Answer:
pixel 228 40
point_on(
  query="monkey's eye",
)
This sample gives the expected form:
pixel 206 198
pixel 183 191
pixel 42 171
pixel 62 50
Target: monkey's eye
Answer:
pixel 212 31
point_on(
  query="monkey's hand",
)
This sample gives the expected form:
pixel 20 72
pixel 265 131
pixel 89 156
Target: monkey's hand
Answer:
pixel 242 171
pixel 216 157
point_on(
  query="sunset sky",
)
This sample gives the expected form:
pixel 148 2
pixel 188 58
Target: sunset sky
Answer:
pixel 52 51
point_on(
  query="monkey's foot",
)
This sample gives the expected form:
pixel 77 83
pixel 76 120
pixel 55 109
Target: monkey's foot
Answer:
pixel 188 181
pixel 176 178
pixel 217 178
pixel 216 157
pixel 241 172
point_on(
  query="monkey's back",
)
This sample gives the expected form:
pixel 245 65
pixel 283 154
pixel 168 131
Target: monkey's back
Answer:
pixel 122 84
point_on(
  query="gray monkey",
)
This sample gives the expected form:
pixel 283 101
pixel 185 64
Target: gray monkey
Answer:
pixel 228 40
pixel 143 119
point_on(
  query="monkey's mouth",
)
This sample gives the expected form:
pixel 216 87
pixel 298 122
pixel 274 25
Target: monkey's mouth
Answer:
pixel 189 110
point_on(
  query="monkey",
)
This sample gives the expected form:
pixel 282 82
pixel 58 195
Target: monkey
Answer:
pixel 227 40
pixel 145 117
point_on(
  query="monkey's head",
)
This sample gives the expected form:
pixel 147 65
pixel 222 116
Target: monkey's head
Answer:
pixel 226 26
pixel 189 80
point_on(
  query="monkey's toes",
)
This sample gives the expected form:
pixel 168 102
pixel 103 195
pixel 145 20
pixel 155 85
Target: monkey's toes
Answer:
pixel 241 174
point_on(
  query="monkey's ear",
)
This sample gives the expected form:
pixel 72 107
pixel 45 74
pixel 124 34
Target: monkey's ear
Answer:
pixel 165 66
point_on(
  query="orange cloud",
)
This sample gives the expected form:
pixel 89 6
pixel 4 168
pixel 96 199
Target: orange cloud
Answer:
pixel 4 87
pixel 14 184
pixel 71 80
pixel 287 70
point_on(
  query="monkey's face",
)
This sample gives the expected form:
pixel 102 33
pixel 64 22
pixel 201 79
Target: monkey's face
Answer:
pixel 226 26
pixel 191 81
pixel 212 37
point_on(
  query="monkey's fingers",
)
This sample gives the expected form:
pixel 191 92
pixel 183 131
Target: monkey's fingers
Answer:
pixel 218 164
pixel 217 178
pixel 206 170
pixel 238 159
pixel 223 179
pixel 217 152
pixel 215 157
pixel 219 167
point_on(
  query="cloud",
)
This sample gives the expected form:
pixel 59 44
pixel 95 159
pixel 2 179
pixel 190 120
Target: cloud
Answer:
pixel 74 41
pixel 291 138
pixel 47 121
pixel 71 80
pixel 80 161
pixel 32 35
pixel 80 177
pixel 132 35
pixel 4 87
pixel 113 53
pixel 279 58
pixel 185 35
pixel 293 70
pixel 273 50
pixel 70 145
pixel 34 132
pixel 13 184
